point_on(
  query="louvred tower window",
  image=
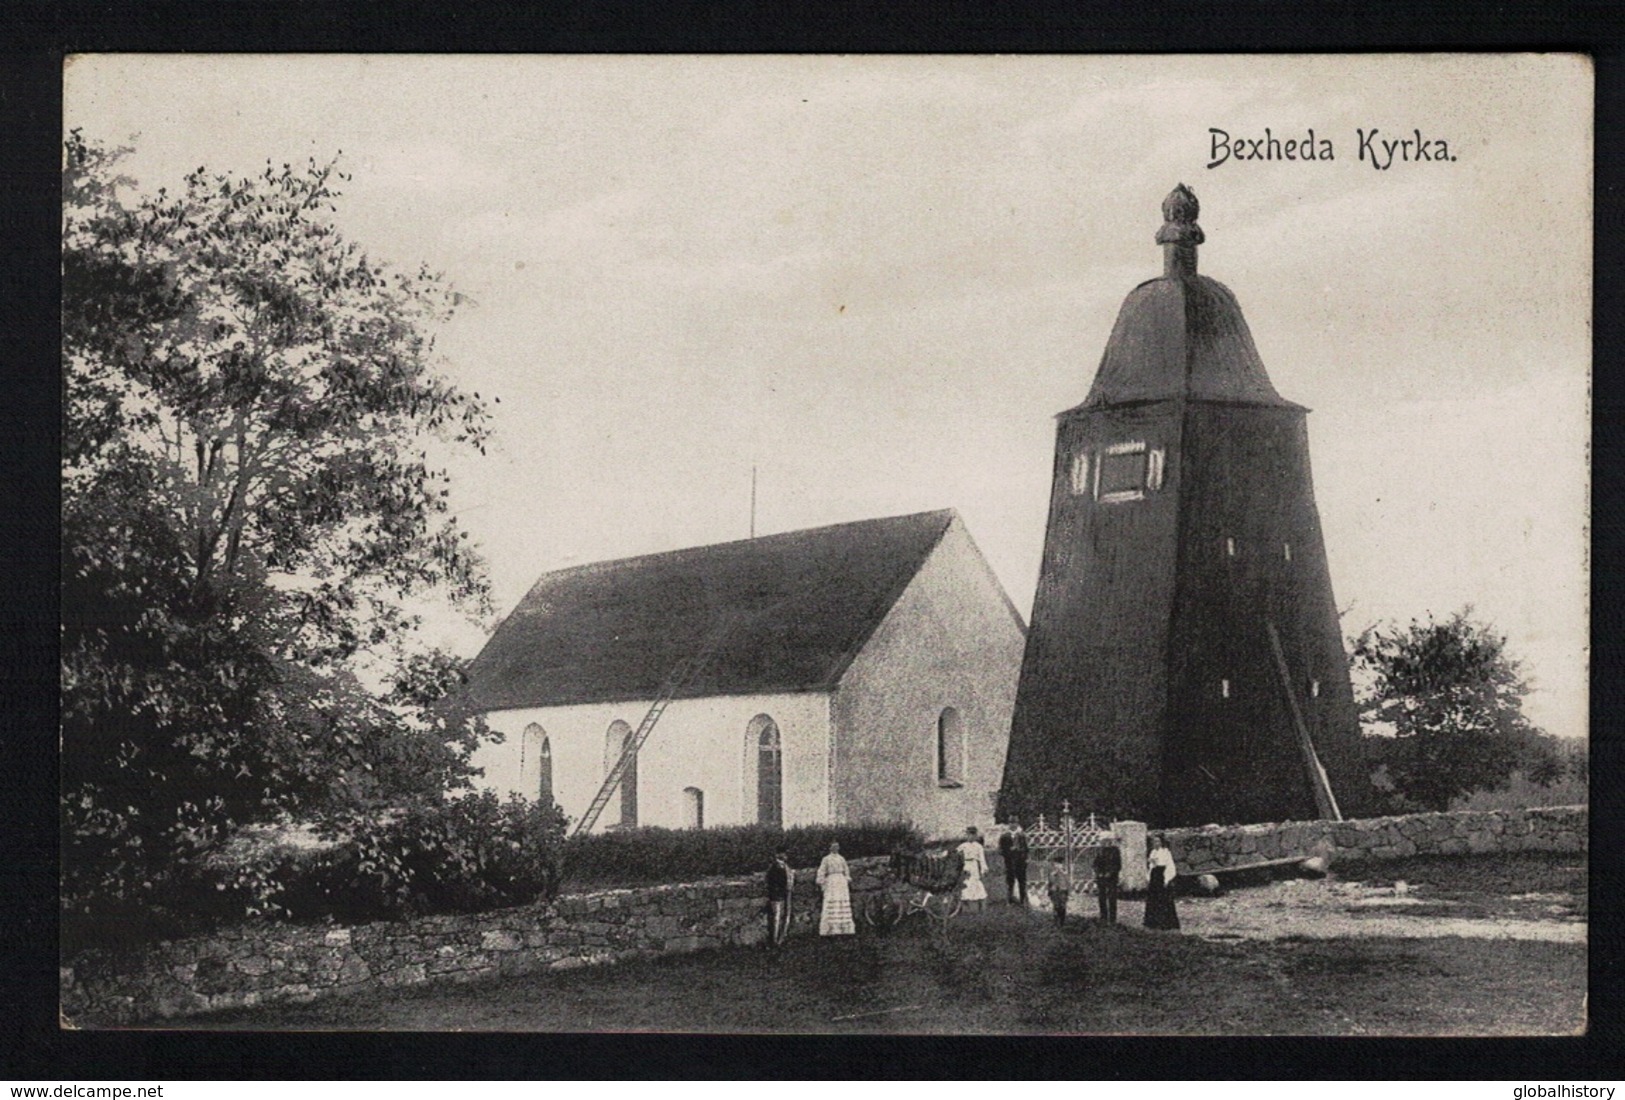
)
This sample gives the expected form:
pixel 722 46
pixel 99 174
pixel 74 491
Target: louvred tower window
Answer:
pixel 1127 471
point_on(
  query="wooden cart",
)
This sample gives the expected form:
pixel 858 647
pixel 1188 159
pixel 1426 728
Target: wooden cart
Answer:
pixel 923 882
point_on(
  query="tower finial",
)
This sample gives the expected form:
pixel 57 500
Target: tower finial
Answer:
pixel 1180 234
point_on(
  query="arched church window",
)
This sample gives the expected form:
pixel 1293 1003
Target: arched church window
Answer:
pixel 762 736
pixel 950 749
pixel 693 808
pixel 615 742
pixel 536 764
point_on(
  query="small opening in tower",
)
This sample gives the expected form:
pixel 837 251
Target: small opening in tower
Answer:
pixel 1080 473
pixel 1314 689
pixel 1224 689
pixel 1229 547
pixel 1286 550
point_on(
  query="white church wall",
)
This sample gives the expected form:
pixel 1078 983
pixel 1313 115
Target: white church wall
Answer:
pixel 698 743
pixel 951 640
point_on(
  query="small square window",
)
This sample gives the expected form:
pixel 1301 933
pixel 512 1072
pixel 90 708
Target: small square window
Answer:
pixel 1127 471
pixel 1123 473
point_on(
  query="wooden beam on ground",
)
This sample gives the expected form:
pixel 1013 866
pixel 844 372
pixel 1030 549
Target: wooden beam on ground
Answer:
pixel 1284 861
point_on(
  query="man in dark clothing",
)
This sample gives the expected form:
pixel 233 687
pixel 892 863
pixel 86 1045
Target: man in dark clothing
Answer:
pixel 1108 865
pixel 780 884
pixel 1013 848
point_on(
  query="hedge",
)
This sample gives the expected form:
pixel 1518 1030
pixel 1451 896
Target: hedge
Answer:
pixel 467 855
pixel 635 857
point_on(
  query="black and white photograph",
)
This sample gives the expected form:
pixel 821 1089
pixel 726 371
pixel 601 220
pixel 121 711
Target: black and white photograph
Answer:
pixel 1088 545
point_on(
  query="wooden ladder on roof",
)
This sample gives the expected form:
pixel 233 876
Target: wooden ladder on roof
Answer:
pixel 675 681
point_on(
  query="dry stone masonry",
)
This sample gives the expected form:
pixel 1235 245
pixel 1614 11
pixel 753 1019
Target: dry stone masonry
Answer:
pixel 1218 848
pixel 267 962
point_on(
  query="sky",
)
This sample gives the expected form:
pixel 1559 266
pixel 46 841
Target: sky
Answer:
pixel 876 280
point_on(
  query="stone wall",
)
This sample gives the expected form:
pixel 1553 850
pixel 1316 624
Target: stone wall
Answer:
pixel 1217 848
pixel 267 962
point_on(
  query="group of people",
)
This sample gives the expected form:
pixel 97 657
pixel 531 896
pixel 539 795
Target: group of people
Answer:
pixel 835 884
pixel 1160 911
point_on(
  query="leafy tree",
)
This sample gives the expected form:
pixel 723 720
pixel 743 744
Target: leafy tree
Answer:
pixel 251 522
pixel 1447 704
pixel 1576 758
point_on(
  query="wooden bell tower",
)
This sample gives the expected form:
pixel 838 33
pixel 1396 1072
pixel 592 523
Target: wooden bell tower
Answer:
pixel 1185 663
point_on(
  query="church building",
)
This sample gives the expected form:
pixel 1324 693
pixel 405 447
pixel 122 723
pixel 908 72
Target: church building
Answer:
pixel 859 672
pixel 1185 663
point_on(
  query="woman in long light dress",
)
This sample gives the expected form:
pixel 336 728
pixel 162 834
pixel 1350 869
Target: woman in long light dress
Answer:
pixel 1159 895
pixel 835 880
pixel 973 890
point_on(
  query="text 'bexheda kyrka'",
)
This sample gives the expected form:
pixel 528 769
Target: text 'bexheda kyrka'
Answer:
pixel 1380 152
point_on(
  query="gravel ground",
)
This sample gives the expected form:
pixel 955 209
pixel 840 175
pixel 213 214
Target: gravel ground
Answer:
pixel 1537 897
pixel 1328 909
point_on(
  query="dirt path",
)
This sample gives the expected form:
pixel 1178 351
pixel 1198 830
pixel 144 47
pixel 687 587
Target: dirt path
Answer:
pixel 1329 909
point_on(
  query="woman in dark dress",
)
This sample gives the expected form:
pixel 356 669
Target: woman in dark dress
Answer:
pixel 1159 896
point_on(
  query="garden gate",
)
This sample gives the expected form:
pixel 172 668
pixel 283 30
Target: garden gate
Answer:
pixel 1070 839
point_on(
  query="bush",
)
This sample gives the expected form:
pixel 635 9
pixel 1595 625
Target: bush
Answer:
pixel 628 857
pixel 234 880
pixel 464 855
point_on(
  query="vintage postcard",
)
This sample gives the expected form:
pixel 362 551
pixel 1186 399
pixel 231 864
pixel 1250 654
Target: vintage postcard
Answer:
pixel 827 545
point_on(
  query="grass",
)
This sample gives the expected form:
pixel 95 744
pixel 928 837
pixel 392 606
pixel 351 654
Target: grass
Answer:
pixel 1522 793
pixel 1010 971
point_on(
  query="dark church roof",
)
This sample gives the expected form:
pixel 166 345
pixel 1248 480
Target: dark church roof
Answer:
pixel 1182 335
pixel 803 605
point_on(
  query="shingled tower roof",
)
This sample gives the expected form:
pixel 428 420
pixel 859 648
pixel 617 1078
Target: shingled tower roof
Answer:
pixel 1182 335
pixel 1185 662
pixel 797 607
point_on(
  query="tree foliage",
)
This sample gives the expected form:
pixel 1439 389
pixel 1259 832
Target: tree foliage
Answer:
pixel 1443 706
pixel 251 516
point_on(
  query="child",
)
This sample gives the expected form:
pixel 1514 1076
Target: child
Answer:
pixel 1060 888
pixel 781 882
